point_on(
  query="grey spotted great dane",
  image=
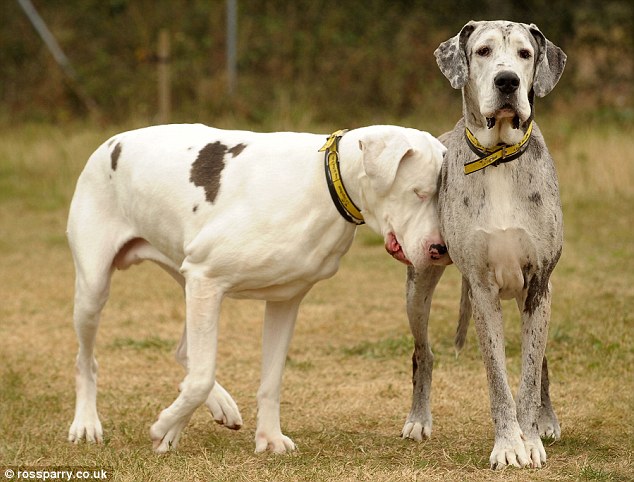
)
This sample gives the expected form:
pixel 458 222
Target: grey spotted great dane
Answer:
pixel 501 218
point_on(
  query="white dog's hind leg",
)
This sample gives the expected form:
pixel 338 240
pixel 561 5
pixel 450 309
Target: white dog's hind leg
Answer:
pixel 203 299
pixel 221 405
pixel 92 285
pixel 279 322
pixel 89 302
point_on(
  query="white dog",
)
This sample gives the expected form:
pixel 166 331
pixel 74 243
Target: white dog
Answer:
pixel 245 215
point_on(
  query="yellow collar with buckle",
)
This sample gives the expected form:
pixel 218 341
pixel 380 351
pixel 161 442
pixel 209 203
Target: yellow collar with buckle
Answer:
pixel 346 207
pixel 494 155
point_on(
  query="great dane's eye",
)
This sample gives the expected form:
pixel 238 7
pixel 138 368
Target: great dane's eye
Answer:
pixel 525 53
pixel 483 51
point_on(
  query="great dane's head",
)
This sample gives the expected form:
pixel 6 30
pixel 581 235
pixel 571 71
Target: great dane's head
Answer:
pixel 500 66
pixel 399 192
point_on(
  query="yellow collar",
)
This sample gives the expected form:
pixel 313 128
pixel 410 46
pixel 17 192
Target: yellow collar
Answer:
pixel 494 155
pixel 346 207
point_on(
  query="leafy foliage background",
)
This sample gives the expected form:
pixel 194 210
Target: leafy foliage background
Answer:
pixel 352 61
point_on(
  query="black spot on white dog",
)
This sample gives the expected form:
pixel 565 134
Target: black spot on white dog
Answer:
pixel 236 150
pixel 207 168
pixel 114 156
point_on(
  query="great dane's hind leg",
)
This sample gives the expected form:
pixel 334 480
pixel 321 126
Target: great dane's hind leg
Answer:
pixel 547 422
pixel 509 446
pixel 464 316
pixel 420 288
pixel 203 299
pixel 221 405
pixel 279 322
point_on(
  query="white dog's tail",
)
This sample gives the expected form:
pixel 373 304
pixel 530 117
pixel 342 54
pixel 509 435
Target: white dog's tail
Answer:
pixel 463 317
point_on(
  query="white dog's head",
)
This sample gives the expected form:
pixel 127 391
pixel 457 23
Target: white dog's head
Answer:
pixel 500 65
pixel 399 192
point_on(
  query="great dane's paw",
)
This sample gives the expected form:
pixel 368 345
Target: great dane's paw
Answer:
pixel 86 426
pixel 223 408
pixel 548 425
pixel 166 432
pixel 509 451
pixel 417 430
pixel 278 443
pixel 535 451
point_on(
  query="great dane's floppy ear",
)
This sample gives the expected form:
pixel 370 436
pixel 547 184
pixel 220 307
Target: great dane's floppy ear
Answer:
pixel 451 57
pixel 381 158
pixel 549 63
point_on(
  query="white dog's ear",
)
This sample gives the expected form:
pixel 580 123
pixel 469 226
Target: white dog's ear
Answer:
pixel 451 57
pixel 549 63
pixel 381 158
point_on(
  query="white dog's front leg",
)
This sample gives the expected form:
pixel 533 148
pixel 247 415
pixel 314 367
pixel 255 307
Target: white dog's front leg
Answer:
pixel 221 405
pixel 203 298
pixel 279 322
pixel 86 423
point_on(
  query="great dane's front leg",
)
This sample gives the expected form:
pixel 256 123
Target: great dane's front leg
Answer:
pixel 535 317
pixel 509 445
pixel 279 322
pixel 547 422
pixel 420 288
pixel 203 298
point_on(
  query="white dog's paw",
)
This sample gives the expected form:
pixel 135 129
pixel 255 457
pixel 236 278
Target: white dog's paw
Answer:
pixel 509 451
pixel 166 432
pixel 536 453
pixel 223 408
pixel 548 425
pixel 278 443
pixel 417 430
pixel 86 426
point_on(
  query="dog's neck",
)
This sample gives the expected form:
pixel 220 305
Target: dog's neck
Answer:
pixel 503 131
pixel 349 166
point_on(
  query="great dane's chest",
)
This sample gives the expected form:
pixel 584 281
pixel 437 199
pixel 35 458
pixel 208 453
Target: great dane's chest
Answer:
pixel 505 220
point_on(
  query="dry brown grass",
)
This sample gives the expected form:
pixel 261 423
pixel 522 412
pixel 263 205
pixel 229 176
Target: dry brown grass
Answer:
pixel 347 383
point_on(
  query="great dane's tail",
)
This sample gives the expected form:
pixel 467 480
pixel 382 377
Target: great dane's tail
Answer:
pixel 463 317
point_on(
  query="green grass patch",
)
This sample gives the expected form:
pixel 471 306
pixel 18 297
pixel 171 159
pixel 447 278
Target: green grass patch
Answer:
pixel 149 343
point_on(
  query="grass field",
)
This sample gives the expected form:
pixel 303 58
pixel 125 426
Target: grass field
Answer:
pixel 347 384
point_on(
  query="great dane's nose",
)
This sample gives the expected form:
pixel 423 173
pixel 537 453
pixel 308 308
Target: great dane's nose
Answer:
pixel 507 82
